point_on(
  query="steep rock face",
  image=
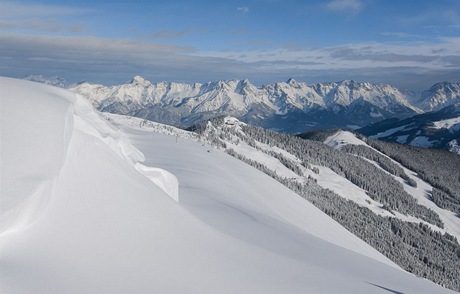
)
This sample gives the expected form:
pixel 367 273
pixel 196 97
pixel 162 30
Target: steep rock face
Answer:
pixel 286 106
pixel 439 96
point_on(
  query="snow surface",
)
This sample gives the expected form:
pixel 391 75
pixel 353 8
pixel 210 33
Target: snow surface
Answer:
pixel 388 132
pixel 402 139
pixel 77 216
pixel 454 146
pixel 453 124
pixel 421 141
pixel 342 138
pixel 328 179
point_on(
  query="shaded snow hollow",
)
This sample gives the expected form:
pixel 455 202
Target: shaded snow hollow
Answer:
pixel 77 216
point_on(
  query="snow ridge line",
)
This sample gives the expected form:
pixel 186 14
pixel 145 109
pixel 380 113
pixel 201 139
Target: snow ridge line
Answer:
pixel 80 116
pixel 90 122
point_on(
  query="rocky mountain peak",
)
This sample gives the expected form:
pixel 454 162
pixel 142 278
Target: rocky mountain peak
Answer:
pixel 139 80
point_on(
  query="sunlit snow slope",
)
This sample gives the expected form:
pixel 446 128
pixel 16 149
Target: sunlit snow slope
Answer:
pixel 79 214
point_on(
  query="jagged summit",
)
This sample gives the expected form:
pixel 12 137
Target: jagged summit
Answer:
pixel 139 80
pixel 440 95
pixel 292 82
pixel 286 106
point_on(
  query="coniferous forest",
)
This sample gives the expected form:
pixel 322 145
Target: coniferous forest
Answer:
pixel 413 246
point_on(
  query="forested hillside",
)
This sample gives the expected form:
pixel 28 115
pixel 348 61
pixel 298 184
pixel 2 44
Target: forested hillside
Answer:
pixel 417 247
pixel 439 168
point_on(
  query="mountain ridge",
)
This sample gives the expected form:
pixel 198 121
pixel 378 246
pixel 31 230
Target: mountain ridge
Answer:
pixel 289 106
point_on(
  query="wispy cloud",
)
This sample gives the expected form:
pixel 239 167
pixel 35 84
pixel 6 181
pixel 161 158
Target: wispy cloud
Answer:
pixel 13 10
pixel 243 9
pixel 169 34
pixel 344 5
pixel 37 17
pixel 238 32
pixel 435 18
pixel 400 35
pixel 44 25
pixel 95 58
pixel 364 55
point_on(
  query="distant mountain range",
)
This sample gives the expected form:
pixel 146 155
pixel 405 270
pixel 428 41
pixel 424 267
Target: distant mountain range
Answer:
pixel 286 106
pixel 53 81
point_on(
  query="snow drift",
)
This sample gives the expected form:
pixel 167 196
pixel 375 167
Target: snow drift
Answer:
pixel 80 214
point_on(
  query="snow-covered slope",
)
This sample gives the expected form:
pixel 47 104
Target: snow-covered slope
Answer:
pixel 364 190
pixel 77 216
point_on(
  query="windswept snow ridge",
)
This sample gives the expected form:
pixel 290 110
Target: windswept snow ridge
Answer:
pixel 37 127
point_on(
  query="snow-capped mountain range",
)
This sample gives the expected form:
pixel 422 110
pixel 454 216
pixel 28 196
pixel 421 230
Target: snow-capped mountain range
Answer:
pixel 286 106
pixel 53 81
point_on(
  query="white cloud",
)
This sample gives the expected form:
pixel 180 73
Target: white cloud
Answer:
pixel 169 34
pixel 341 5
pixel 400 35
pixel 363 55
pixel 44 25
pixel 38 17
pixel 243 9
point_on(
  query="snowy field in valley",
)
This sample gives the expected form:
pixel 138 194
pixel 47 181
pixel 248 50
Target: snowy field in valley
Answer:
pixel 89 208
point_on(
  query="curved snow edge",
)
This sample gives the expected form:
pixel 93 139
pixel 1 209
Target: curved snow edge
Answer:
pixel 162 178
pixel 38 122
pixel 89 121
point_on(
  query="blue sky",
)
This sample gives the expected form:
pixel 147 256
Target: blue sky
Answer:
pixel 410 44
